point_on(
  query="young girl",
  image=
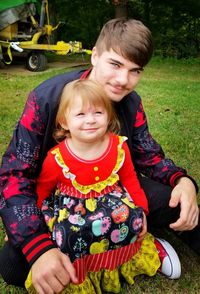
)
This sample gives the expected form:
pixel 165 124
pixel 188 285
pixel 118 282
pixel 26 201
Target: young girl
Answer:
pixel 99 207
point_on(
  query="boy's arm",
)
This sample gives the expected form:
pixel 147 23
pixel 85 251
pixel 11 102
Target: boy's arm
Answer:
pixel 151 161
pixel 149 157
pixel 22 219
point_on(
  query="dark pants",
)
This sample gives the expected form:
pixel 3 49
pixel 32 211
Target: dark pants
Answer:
pixel 160 214
pixel 14 268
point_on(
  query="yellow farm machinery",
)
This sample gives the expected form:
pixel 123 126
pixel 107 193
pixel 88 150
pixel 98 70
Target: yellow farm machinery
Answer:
pixel 22 30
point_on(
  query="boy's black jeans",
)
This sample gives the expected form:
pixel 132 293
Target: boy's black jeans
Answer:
pixel 14 267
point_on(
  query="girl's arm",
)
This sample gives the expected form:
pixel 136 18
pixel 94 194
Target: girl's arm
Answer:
pixel 47 179
pixel 129 180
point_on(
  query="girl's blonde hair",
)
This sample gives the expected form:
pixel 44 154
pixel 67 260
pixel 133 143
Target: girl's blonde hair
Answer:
pixel 91 92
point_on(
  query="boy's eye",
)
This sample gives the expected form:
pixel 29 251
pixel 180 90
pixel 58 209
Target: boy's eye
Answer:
pixel 137 71
pixel 115 64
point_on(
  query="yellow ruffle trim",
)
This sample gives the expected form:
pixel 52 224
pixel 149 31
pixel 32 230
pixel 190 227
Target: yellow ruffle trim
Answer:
pixel 146 261
pixel 100 186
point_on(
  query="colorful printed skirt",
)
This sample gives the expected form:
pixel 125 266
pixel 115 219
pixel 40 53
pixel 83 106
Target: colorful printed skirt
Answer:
pixel 99 235
pixel 145 261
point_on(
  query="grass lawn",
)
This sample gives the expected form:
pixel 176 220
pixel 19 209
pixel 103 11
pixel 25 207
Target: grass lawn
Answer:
pixel 171 98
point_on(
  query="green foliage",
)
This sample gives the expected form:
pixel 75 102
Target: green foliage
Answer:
pixel 81 20
pixel 175 24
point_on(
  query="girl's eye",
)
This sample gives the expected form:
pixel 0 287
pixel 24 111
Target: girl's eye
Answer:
pixel 80 114
pixel 98 112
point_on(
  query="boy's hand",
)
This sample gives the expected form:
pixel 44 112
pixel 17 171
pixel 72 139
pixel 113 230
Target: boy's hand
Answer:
pixel 184 193
pixel 144 229
pixel 52 271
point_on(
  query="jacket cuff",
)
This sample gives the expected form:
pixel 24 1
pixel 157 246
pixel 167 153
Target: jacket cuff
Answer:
pixel 179 175
pixel 34 247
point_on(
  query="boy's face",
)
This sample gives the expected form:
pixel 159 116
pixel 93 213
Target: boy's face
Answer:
pixel 117 75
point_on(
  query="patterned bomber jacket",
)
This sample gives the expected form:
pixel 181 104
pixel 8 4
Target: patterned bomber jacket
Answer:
pixel 32 138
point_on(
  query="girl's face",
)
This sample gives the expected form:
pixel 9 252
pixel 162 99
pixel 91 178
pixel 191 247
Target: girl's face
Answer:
pixel 116 74
pixel 86 123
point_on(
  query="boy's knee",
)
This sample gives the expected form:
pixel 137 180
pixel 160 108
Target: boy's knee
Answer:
pixel 13 266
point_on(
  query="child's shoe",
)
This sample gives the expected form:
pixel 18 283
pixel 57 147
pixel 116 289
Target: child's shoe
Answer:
pixel 170 263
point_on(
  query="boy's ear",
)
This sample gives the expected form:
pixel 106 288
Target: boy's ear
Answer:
pixel 94 56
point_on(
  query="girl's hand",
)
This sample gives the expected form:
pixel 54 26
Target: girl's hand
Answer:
pixel 144 229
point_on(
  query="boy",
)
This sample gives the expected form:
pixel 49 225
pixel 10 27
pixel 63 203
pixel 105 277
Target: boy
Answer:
pixel 122 50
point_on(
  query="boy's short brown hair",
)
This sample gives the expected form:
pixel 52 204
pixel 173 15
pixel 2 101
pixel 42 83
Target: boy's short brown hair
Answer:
pixel 127 37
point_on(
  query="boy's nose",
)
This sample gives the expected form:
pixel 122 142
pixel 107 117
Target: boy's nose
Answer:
pixel 122 77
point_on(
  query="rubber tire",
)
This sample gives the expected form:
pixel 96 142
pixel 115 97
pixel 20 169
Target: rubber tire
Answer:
pixel 36 61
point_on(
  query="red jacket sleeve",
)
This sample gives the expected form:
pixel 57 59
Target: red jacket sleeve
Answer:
pixel 129 180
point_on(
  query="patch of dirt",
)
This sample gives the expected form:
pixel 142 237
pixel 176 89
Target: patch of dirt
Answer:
pixel 18 67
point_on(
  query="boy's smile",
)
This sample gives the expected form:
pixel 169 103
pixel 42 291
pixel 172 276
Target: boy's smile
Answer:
pixel 117 75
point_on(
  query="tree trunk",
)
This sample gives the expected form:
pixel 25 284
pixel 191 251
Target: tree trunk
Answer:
pixel 120 8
